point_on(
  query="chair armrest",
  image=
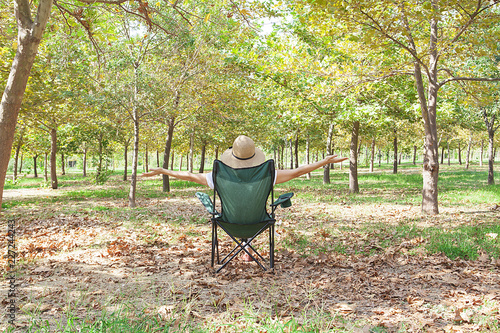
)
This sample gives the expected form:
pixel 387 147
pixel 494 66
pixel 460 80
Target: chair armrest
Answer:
pixel 284 200
pixel 207 202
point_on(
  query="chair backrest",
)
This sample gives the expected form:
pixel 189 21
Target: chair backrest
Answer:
pixel 244 192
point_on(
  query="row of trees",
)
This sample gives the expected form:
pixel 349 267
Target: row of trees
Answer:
pixel 28 161
pixel 190 76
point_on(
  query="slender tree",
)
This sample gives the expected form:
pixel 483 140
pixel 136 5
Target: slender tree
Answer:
pixel 353 161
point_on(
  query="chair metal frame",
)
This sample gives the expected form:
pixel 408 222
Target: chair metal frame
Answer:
pixel 244 244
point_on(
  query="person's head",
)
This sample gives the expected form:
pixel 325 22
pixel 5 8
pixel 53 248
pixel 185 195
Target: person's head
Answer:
pixel 243 154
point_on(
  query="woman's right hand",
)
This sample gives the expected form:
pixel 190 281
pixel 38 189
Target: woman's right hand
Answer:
pixel 152 172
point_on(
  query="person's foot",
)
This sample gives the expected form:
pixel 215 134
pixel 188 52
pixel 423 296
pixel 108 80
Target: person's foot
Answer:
pixel 246 257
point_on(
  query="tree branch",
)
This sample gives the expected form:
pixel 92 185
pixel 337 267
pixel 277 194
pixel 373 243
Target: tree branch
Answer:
pixel 472 17
pixel 110 2
pixel 83 22
pixel 23 13
pixel 377 27
pixel 181 12
pixel 147 19
pixel 458 78
pixel 42 14
pixel 181 120
pixel 242 15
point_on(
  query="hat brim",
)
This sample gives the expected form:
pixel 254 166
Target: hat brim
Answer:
pixel 228 158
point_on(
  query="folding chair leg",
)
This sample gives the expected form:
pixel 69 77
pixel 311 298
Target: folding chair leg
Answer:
pixel 271 246
pixel 215 244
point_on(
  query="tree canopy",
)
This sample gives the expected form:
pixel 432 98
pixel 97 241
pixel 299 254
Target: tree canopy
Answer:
pixel 180 77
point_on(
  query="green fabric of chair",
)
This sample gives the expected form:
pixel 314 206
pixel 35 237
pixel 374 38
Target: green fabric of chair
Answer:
pixel 243 195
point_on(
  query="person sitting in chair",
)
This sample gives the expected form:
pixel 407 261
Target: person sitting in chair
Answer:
pixel 244 154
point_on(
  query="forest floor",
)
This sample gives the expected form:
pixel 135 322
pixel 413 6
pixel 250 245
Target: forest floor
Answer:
pixel 341 265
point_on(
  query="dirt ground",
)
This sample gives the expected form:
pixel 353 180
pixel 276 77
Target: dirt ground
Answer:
pixel 87 263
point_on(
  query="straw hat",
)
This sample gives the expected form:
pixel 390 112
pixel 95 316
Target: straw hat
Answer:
pixel 243 154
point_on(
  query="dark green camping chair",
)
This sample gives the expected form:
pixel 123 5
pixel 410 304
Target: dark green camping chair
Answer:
pixel 243 215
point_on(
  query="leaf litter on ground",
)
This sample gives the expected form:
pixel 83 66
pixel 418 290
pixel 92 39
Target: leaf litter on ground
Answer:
pixel 158 258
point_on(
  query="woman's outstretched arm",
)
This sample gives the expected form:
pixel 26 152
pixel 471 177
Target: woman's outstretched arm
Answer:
pixel 199 178
pixel 286 175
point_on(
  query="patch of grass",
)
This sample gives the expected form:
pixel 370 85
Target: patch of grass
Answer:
pixel 123 321
pixel 112 323
pixel 470 196
pixel 296 241
pixel 96 193
pixel 101 208
pixel 466 242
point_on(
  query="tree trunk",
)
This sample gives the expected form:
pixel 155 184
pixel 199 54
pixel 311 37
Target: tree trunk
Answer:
pixel 468 157
pixel 168 143
pixel 395 147
pixel 291 153
pixel 85 162
pixel 448 148
pixel 491 157
pixel 282 156
pixel 63 166
pixel 146 160
pixel 29 36
pixel 53 157
pixel 157 158
pixel 308 152
pixel 125 159
pixel 490 126
pixel 481 153
pixel 202 162
pixel 297 150
pixel 360 144
pixel 459 153
pixel 326 170
pixel 168 147
pixel 372 155
pixel 16 158
pixel 99 166
pixel 414 155
pixel 135 156
pixel 379 157
pixel 180 162
pixel 191 152
pixel 366 156
pixel 35 171
pixel 21 163
pixel 45 168
pixel 442 155
pixel 172 160
pixel 428 105
pixel 353 164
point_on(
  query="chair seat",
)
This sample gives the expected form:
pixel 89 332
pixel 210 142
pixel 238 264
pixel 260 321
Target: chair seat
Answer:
pixel 243 231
